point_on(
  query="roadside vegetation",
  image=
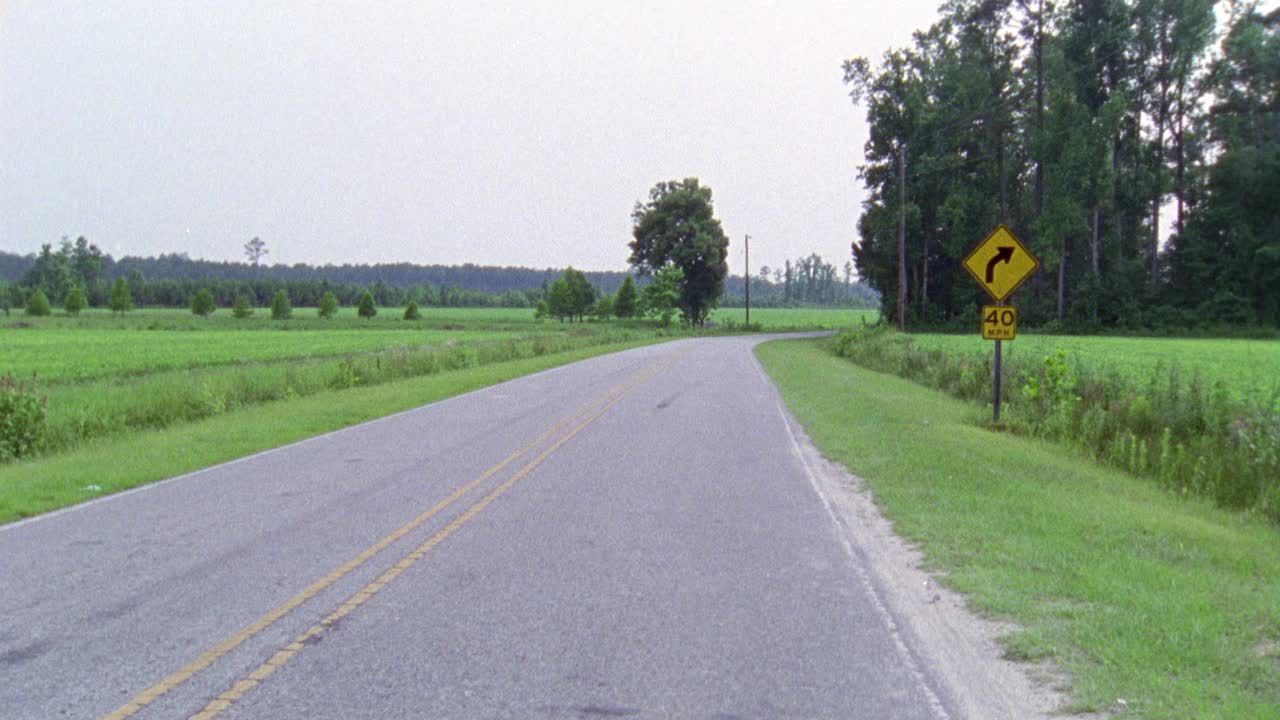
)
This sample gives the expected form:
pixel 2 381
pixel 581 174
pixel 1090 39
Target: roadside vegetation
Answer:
pixel 102 379
pixel 1199 417
pixel 1152 605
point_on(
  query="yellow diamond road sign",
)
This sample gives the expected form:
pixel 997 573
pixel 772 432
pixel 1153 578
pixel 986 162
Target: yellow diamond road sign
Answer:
pixel 1000 263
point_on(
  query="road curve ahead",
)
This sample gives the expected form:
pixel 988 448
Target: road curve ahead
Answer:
pixel 629 536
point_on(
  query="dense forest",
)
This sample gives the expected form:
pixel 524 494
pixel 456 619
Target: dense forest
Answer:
pixel 1134 146
pixel 172 280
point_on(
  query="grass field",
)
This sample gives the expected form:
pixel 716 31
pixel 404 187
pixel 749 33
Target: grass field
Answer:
pixel 111 378
pixel 1155 606
pixel 776 319
pixel 1249 367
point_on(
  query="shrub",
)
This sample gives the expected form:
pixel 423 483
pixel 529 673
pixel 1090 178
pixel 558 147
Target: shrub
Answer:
pixel 624 306
pixel 121 299
pixel 202 303
pixel 75 301
pixel 366 309
pixel 328 305
pixel 242 307
pixel 22 419
pixel 603 309
pixel 38 304
pixel 280 307
pixel 411 312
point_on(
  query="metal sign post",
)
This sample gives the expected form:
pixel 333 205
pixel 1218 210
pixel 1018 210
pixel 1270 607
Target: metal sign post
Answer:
pixel 1000 264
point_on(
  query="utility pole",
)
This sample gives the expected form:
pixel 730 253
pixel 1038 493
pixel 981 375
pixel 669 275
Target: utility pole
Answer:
pixel 902 237
pixel 746 261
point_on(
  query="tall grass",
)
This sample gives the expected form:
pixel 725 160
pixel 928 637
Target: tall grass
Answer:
pixel 78 412
pixel 1192 435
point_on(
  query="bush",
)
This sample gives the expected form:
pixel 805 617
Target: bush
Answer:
pixel 411 312
pixel 22 419
pixel 38 304
pixel 280 307
pixel 202 303
pixel 328 305
pixel 76 301
pixel 366 309
pixel 121 299
pixel 242 307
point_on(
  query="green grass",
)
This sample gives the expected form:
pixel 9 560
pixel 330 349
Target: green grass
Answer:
pixel 119 462
pixel 774 319
pixel 1169 603
pixel 107 378
pixel 59 355
pixel 1250 367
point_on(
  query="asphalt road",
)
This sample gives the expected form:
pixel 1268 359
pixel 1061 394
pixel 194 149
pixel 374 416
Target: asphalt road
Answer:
pixel 629 536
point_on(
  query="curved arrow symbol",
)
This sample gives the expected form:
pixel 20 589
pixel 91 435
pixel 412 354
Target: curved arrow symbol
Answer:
pixel 1003 254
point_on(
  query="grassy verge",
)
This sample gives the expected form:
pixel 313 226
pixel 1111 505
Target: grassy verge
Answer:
pixel 1169 604
pixel 119 462
pixel 1209 438
pixel 82 411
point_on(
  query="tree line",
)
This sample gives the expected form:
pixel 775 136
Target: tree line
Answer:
pixel 173 280
pixel 805 281
pixel 1087 127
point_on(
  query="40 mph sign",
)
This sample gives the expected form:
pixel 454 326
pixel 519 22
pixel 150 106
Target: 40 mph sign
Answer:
pixel 1000 263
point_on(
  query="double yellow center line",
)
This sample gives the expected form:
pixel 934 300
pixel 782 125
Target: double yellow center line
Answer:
pixel 591 412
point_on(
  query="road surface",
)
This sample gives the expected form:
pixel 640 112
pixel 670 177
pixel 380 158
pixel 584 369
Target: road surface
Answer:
pixel 629 536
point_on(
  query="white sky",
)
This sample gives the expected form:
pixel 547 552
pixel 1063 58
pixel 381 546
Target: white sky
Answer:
pixel 486 132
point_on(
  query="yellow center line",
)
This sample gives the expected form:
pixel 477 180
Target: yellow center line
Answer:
pixel 227 698
pixel 173 680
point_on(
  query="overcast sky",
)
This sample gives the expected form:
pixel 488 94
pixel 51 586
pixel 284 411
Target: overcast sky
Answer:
pixel 488 132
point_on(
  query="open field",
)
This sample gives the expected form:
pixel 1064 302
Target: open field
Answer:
pixel 109 379
pixel 1248 367
pixel 777 319
pixel 1155 606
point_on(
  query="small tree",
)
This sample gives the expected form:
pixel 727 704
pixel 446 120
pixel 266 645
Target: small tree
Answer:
pixel 662 296
pixel 603 309
pixel 202 303
pixel 624 305
pixel 366 309
pixel 411 312
pixel 254 250
pixel 280 307
pixel 6 297
pixel 541 310
pixel 76 301
pixel 121 300
pixel 328 305
pixel 584 295
pixel 38 304
pixel 242 307
pixel 560 300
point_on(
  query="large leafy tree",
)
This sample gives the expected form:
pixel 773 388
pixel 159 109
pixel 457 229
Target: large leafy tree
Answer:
pixel 1229 254
pixel 677 227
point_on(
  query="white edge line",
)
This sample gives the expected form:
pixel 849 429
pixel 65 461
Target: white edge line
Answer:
pixel 296 443
pixel 869 586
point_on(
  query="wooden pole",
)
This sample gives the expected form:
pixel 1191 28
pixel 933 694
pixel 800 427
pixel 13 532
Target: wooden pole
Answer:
pixel 746 261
